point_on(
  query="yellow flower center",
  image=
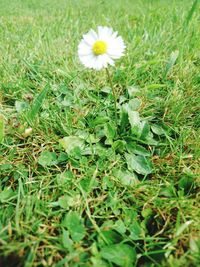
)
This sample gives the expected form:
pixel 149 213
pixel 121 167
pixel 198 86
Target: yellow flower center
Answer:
pixel 99 48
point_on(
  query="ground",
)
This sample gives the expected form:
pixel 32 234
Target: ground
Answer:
pixel 79 187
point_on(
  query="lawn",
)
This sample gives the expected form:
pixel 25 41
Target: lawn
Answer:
pixel 80 186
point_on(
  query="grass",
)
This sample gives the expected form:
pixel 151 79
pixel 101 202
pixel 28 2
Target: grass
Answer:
pixel 76 190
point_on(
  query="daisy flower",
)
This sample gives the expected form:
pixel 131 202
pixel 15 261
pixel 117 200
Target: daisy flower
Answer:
pixel 99 49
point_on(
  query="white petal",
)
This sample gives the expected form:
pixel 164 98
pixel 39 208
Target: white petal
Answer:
pixel 107 60
pixel 116 47
pixel 99 63
pixel 84 49
pixel 93 34
pixel 104 32
pixel 88 61
pixel 90 37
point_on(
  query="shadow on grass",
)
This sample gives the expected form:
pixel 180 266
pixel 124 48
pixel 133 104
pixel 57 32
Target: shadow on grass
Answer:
pixel 11 260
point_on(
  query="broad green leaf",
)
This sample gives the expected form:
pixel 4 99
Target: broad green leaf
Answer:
pixel 96 262
pixel 120 254
pixel 69 143
pixel 145 130
pixel 134 119
pixel 147 212
pixel 186 183
pixel 47 158
pixel 106 90
pixel 99 120
pixel 135 230
pixel 111 236
pixel 120 226
pixel 119 146
pixel 168 191
pixel 92 139
pixel 137 149
pixel 195 244
pixel 6 195
pixel 123 119
pixel 157 129
pixel 68 99
pixel 67 201
pixel 139 164
pixel 134 104
pixel 132 91
pixel 127 178
pixel 64 177
pixel 1 128
pixel 74 224
pixel 110 131
pixel 107 183
pixel 62 157
pixel 67 242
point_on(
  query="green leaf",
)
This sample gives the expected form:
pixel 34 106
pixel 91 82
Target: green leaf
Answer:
pixel 110 131
pixel 139 164
pixel 47 158
pixel 62 157
pixel 1 128
pixel 75 226
pixel 37 103
pixel 120 226
pixel 133 90
pixel 119 146
pixel 134 104
pixel 106 90
pixel 147 212
pixel 127 178
pixel 111 236
pixel 119 254
pixel 195 244
pixel 20 106
pixel 123 119
pixel 67 242
pixel 134 119
pixel 168 191
pixel 6 195
pixel 96 262
pixel 64 177
pixel 69 143
pixel 145 130
pixel 137 149
pixel 186 183
pixel 67 201
pixel 135 230
pixel 99 120
pixel 157 129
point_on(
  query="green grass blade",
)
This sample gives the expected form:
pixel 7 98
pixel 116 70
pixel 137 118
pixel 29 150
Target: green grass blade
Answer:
pixel 190 13
pixel 37 103
pixel 1 128
pixel 172 60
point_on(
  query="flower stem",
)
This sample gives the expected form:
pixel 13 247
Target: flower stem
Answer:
pixel 113 93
